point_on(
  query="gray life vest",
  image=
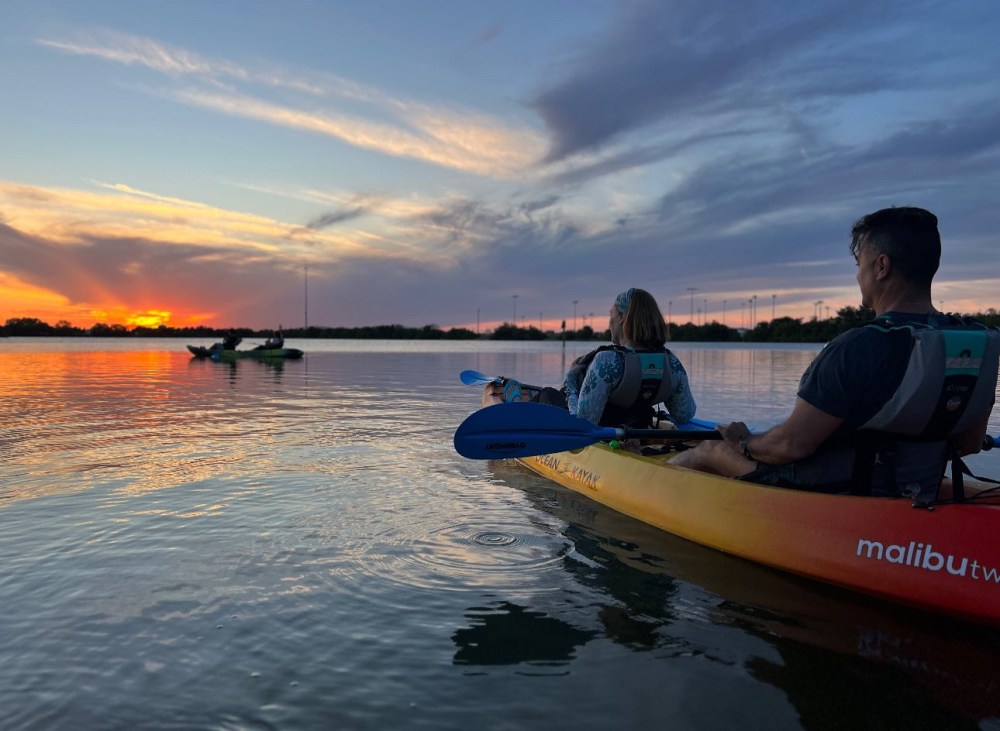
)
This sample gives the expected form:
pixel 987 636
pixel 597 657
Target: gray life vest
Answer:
pixel 647 379
pixel 960 367
pixel 948 387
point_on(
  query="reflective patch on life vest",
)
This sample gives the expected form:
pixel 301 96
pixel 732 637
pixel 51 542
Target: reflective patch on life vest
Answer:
pixel 653 364
pixel 964 351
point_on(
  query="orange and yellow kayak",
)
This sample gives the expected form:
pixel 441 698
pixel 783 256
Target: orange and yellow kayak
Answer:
pixel 945 559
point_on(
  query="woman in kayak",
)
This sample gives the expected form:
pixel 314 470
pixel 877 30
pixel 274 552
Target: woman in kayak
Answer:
pixel 276 341
pixel 619 384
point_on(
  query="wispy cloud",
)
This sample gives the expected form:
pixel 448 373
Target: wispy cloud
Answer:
pixel 73 216
pixel 171 60
pixel 441 135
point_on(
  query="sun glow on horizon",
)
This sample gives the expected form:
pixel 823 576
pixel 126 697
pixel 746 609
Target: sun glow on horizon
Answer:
pixel 149 318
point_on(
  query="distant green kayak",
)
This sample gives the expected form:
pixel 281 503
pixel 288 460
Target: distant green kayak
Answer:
pixel 200 351
pixel 261 353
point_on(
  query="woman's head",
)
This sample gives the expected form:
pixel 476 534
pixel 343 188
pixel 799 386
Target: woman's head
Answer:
pixel 636 320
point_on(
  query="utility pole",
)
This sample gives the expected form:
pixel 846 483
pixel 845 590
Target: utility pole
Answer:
pixel 692 290
pixel 514 297
pixel 773 298
pixel 723 312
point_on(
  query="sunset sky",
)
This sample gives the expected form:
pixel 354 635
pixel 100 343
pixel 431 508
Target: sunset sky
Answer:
pixel 438 162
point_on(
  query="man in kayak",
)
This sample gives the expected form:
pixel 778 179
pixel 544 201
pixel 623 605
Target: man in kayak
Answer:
pixel 884 406
pixel 619 384
pixel 231 340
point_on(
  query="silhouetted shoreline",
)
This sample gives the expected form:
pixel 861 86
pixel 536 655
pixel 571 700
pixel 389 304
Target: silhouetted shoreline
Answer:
pixel 779 330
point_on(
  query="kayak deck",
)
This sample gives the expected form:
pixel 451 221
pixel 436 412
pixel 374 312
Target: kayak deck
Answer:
pixel 945 560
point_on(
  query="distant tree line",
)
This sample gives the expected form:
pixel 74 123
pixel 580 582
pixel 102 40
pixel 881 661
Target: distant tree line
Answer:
pixel 779 330
pixel 29 326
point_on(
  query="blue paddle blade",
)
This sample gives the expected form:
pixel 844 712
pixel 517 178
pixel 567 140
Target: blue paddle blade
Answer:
pixel 525 429
pixel 475 378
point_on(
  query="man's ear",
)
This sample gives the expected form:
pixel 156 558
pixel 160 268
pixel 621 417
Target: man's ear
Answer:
pixel 883 265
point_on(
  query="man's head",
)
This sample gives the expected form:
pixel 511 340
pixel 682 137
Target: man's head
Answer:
pixel 908 236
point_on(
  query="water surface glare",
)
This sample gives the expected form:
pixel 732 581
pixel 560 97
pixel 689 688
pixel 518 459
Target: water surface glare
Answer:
pixel 187 544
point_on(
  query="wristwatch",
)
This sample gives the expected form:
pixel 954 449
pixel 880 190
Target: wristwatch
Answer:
pixel 744 445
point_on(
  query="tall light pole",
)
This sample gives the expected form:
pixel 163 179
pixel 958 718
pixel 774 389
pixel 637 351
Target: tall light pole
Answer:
pixel 305 289
pixel 692 290
pixel 477 319
pixel 670 303
pixel 514 297
pixel 755 310
pixel 723 312
pixel 773 298
pixel 704 318
pixel 574 314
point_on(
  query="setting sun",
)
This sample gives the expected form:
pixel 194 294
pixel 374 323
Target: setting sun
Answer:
pixel 149 318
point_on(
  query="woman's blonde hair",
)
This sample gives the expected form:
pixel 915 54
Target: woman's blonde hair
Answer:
pixel 642 321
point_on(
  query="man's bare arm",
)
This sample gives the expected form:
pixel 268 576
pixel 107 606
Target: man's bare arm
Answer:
pixel 795 438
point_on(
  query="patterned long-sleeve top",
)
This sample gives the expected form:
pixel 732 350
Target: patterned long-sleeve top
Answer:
pixel 588 396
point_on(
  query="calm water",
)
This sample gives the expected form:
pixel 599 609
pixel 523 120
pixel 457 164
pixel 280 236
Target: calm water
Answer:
pixel 188 544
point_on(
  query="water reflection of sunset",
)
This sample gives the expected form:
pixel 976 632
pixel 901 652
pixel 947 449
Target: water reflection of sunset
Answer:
pixel 130 422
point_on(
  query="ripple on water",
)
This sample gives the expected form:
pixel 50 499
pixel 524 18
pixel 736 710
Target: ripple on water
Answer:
pixel 490 538
pixel 511 558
